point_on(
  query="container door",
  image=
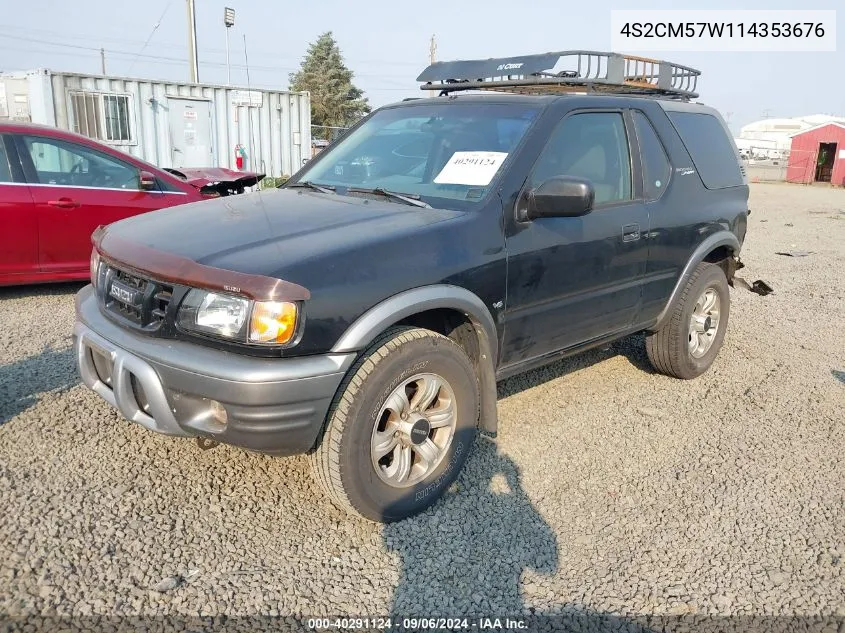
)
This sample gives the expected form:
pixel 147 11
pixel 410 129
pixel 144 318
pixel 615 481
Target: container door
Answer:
pixel 190 133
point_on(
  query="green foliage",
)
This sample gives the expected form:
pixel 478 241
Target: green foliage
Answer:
pixel 335 100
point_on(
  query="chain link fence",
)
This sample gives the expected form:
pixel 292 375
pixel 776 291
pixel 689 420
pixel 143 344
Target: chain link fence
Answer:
pixel 770 165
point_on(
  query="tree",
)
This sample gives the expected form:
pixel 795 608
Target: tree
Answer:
pixel 335 101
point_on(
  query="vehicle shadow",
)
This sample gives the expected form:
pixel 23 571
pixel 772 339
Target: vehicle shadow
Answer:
pixel 467 553
pixel 467 557
pixel 631 347
pixel 41 290
pixel 23 381
pixel 53 368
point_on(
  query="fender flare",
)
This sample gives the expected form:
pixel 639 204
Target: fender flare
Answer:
pixel 441 296
pixel 722 238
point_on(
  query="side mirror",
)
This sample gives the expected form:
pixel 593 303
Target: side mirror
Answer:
pixel 147 181
pixel 561 197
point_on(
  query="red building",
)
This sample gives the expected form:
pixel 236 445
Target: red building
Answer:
pixel 818 155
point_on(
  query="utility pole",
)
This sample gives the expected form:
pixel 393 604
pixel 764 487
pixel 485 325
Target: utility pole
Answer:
pixel 192 42
pixel 766 113
pixel 103 61
pixel 432 52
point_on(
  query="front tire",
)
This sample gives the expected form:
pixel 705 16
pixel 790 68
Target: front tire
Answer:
pixel 688 344
pixel 401 426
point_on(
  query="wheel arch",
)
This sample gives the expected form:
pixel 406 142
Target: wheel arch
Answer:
pixel 715 249
pixel 428 306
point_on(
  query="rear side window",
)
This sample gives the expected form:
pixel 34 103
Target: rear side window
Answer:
pixel 5 172
pixel 710 148
pixel 656 169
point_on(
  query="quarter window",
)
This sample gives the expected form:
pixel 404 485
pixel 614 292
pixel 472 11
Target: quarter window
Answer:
pixel 656 169
pixel 104 117
pixel 710 147
pixel 593 146
pixel 61 163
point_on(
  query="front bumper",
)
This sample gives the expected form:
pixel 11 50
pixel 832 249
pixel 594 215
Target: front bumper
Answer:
pixel 274 406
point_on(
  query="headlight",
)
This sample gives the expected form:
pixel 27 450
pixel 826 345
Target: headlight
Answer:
pixel 215 314
pixel 95 266
pixel 238 319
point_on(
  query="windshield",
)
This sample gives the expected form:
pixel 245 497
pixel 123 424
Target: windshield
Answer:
pixel 445 151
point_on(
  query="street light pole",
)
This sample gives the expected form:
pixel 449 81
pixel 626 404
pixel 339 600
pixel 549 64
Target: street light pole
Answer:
pixel 228 22
pixel 192 43
pixel 228 67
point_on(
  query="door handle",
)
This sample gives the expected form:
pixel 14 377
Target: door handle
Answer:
pixel 630 232
pixel 64 203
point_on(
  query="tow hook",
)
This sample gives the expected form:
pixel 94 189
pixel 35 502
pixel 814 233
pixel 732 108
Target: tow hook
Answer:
pixel 206 444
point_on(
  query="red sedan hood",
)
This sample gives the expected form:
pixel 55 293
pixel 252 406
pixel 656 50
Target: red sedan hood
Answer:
pixel 216 177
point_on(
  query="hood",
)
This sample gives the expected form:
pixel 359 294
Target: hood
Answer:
pixel 265 232
pixel 216 179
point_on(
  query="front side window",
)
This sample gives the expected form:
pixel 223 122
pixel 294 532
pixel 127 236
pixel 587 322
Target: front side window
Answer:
pixel 61 163
pixel 441 153
pixel 593 146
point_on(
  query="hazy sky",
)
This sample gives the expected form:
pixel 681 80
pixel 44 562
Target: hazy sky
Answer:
pixel 385 43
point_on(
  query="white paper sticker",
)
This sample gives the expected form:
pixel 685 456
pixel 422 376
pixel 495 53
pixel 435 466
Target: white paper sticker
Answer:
pixel 471 168
pixel 842 154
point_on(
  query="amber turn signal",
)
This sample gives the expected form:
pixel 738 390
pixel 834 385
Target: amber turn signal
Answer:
pixel 272 322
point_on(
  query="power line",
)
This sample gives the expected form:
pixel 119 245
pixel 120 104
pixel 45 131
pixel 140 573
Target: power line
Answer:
pixel 222 51
pixel 179 60
pixel 94 53
pixel 155 28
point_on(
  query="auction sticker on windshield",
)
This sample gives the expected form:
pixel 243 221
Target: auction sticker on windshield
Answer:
pixel 471 168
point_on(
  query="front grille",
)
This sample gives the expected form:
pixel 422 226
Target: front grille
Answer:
pixel 161 300
pixel 140 301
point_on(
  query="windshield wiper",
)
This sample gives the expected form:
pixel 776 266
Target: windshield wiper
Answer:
pixel 311 185
pixel 411 199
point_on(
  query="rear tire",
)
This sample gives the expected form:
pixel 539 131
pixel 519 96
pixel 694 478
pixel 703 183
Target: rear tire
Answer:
pixel 385 456
pixel 688 344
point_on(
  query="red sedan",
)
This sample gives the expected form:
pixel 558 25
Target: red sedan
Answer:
pixel 56 187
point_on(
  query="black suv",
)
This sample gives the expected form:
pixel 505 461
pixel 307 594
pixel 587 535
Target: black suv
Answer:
pixel 363 312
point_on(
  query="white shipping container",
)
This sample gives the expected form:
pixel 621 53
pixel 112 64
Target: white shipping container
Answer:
pixel 170 124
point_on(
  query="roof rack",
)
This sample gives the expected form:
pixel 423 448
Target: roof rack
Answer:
pixel 586 71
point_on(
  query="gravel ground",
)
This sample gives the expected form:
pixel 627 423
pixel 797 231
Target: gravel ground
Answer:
pixel 612 492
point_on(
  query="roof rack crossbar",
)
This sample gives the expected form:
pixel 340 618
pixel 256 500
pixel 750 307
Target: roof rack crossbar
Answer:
pixel 585 71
